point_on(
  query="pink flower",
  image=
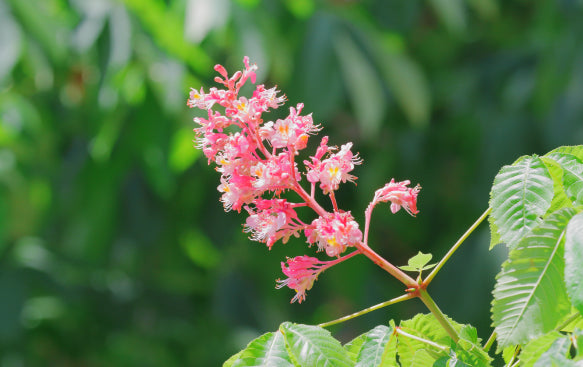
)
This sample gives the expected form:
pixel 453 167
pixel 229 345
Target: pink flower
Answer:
pixel 271 220
pixel 399 195
pixel 333 170
pixel 334 233
pixel 301 272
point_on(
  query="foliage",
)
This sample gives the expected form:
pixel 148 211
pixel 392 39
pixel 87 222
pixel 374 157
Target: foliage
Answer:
pixel 538 288
pixel 112 251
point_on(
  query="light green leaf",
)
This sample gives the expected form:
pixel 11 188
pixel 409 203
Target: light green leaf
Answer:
pixel 572 175
pixel 379 348
pixel 353 347
pixel 576 150
pixel 560 199
pixel 267 350
pixel 363 84
pixel 556 355
pixel 415 353
pixel 313 346
pixel 574 261
pixel 229 362
pixel 418 263
pixel 535 348
pixel 521 194
pixel 530 296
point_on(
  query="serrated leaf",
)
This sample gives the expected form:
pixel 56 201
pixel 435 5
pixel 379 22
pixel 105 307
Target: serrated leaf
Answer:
pixel 313 346
pixel 574 261
pixel 530 296
pixel 267 350
pixel 572 175
pixel 556 355
pixel 535 348
pixel 560 199
pixel 379 348
pixel 521 194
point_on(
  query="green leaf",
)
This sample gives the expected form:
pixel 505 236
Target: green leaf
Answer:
pixel 560 199
pixel 267 350
pixel 556 355
pixel 418 262
pixel 572 175
pixel 353 347
pixel 229 362
pixel 313 346
pixel 379 348
pixel 469 349
pixel 530 296
pixel 576 150
pixel 415 353
pixel 574 261
pixel 535 348
pixel 521 194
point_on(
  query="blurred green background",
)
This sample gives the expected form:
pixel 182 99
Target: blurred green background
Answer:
pixel 114 249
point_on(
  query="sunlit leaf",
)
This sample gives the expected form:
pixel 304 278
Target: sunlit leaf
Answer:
pixel 313 346
pixel 520 196
pixel 267 350
pixel 413 352
pixel 560 199
pixel 530 296
pixel 379 348
pixel 572 175
pixel 574 261
pixel 556 355
pixel 535 348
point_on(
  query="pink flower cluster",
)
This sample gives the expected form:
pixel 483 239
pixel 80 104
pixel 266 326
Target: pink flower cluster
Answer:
pixel 256 160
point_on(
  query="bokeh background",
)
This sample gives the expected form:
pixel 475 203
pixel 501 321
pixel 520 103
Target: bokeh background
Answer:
pixel 114 249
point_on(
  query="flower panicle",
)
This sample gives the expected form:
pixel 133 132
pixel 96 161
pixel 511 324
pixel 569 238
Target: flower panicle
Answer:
pixel 255 157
